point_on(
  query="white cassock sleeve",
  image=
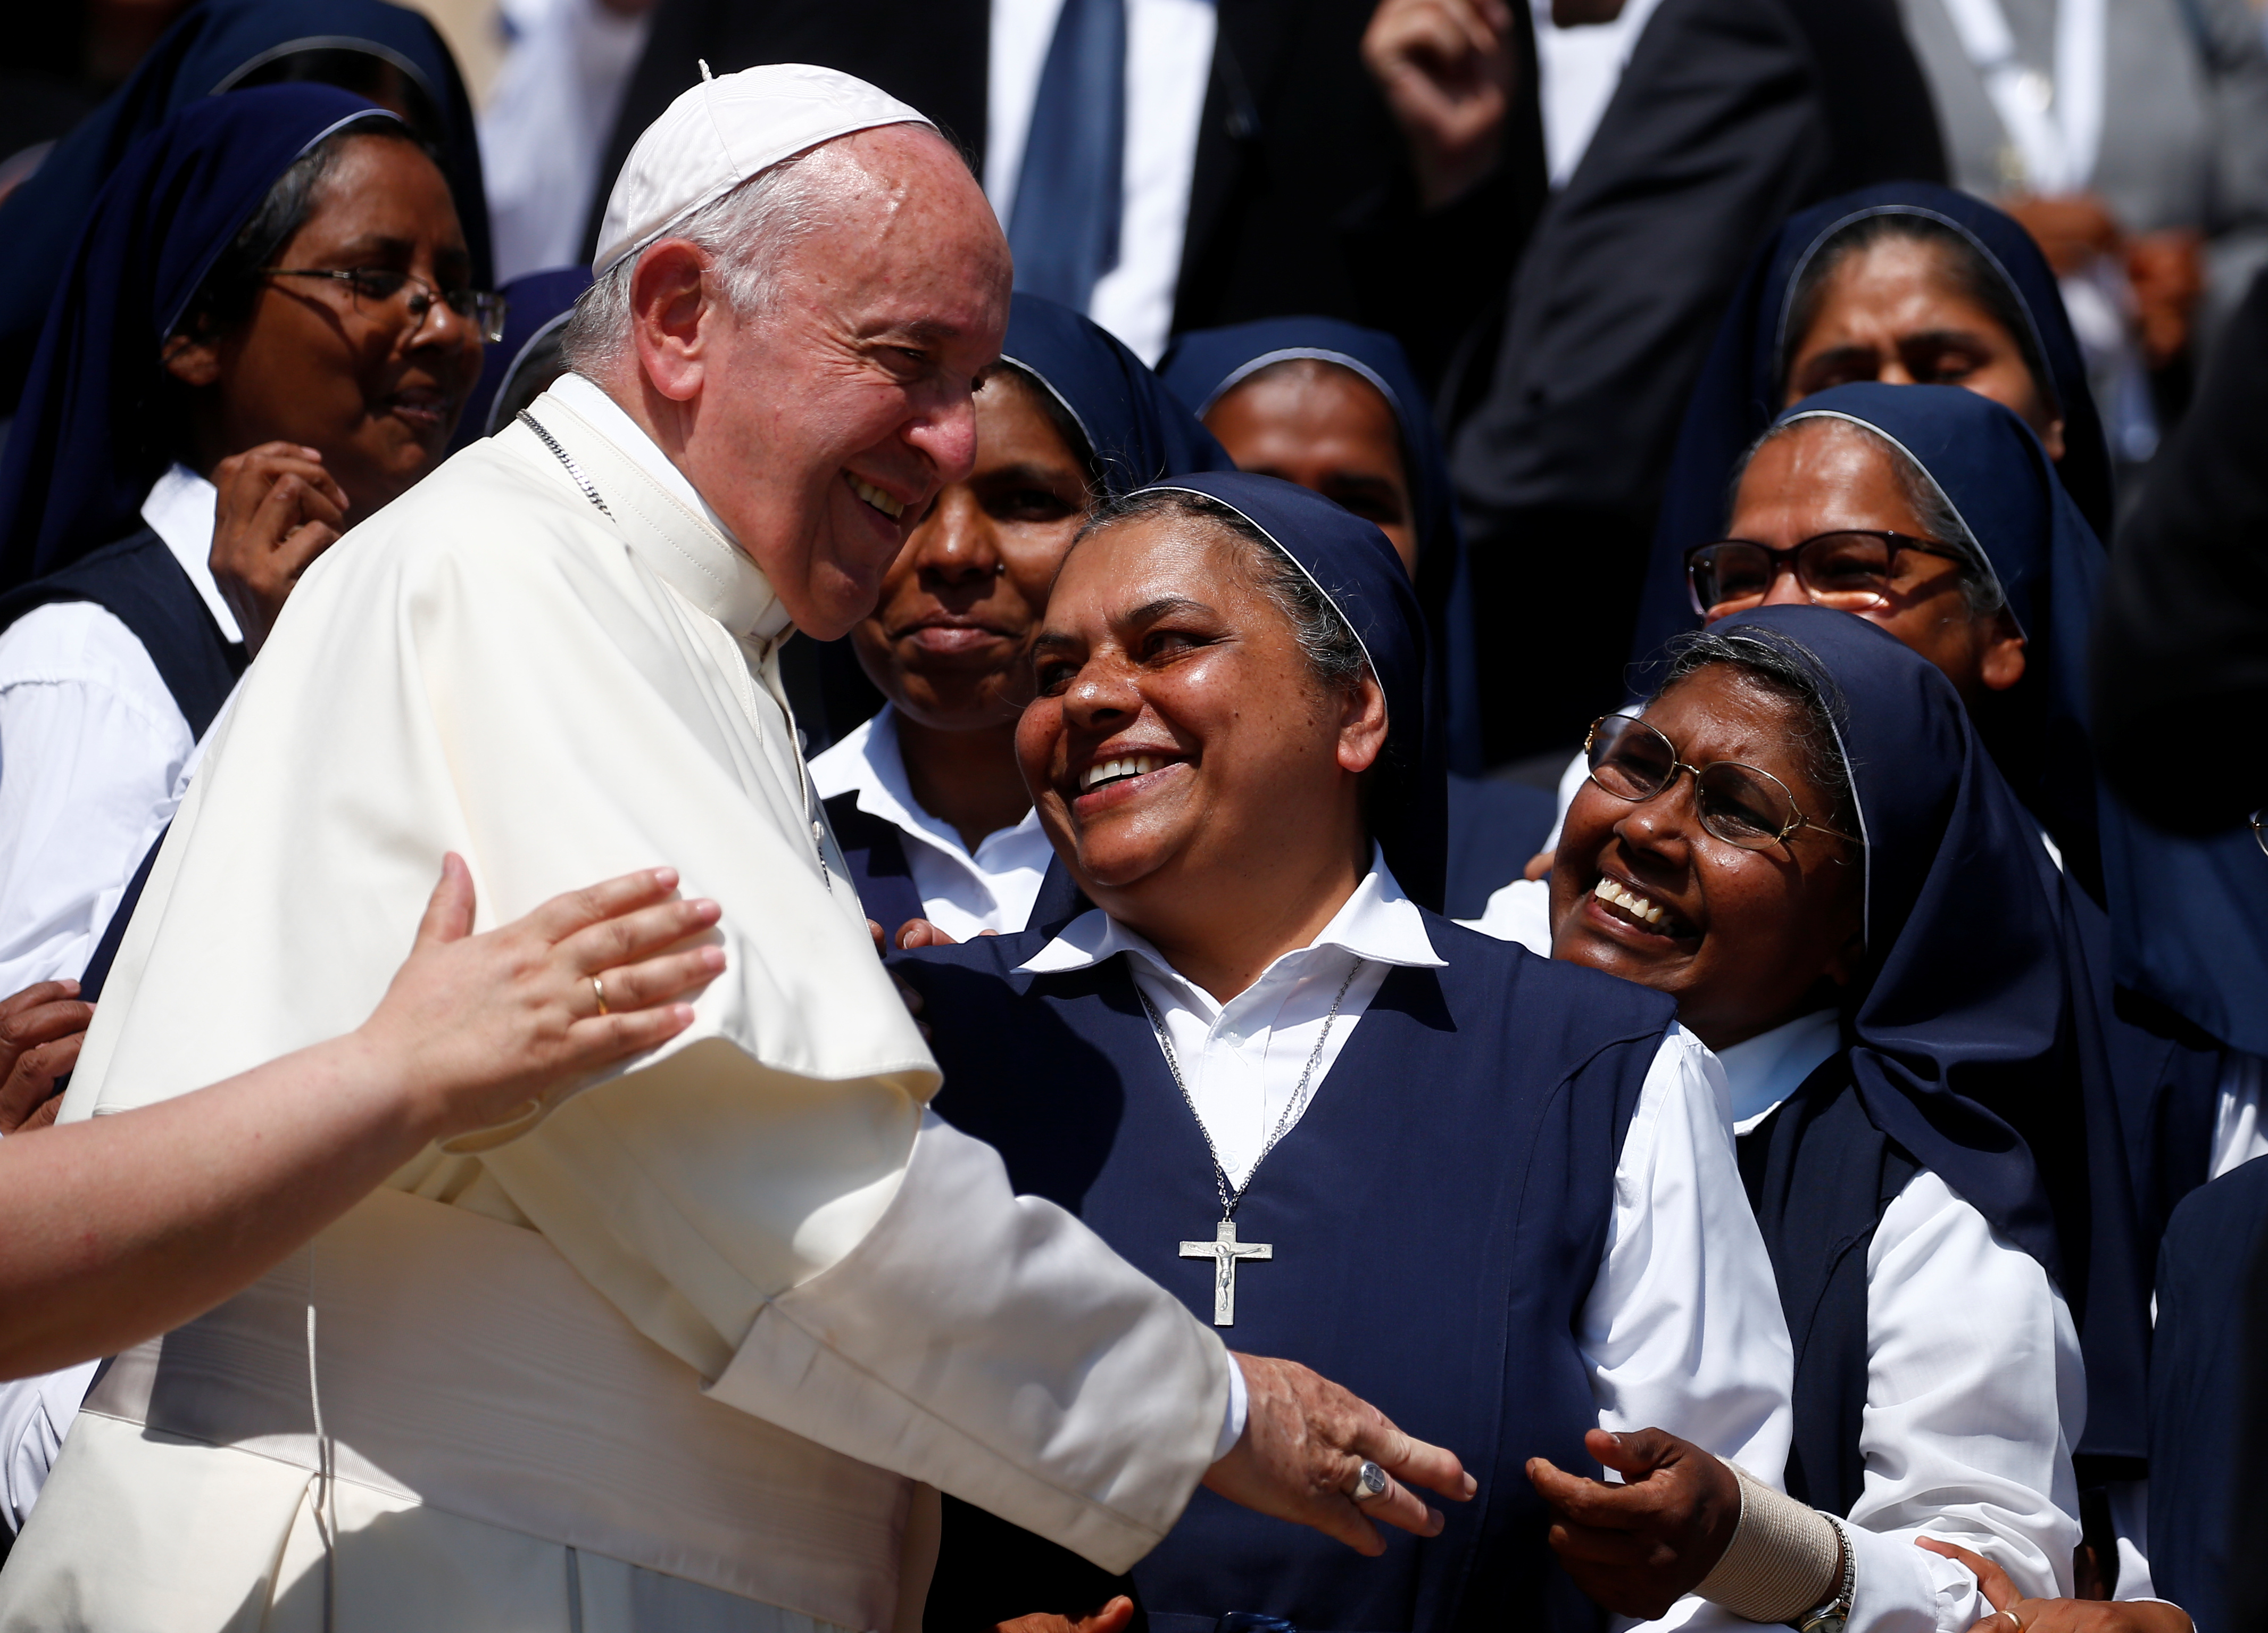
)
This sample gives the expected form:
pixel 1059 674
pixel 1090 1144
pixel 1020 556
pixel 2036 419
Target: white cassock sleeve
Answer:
pixel 1975 1391
pixel 1683 1329
pixel 489 667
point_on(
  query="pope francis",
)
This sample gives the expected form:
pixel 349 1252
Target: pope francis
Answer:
pixel 691 1349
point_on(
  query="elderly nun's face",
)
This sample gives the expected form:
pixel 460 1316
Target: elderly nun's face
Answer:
pixel 1894 311
pixel 1327 428
pixel 1183 757
pixel 950 643
pixel 1823 475
pixel 1743 939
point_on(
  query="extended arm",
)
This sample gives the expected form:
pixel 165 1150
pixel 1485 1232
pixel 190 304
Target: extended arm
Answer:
pixel 124 1226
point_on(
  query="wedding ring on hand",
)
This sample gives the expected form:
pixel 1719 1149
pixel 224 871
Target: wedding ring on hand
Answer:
pixel 2016 1619
pixel 1370 1483
pixel 599 988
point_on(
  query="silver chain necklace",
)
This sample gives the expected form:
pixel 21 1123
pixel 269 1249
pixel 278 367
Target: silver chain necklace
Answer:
pixel 1225 1250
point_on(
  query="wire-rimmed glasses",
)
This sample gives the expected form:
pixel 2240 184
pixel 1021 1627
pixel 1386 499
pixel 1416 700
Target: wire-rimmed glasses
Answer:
pixel 1738 804
pixel 384 286
pixel 2260 827
pixel 1850 568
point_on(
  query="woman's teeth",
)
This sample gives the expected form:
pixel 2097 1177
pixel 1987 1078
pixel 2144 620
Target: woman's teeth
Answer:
pixel 1109 770
pixel 1638 907
pixel 876 497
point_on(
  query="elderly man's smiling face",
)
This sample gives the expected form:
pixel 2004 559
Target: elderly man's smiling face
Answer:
pixel 829 419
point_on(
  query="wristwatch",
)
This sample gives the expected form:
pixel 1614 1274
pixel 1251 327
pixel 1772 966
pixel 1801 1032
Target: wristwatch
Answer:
pixel 1828 1617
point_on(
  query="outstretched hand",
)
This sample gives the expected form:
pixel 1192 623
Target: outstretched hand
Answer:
pixel 1639 1547
pixel 2013 1613
pixel 1305 1439
pixel 486 1031
pixel 41 1030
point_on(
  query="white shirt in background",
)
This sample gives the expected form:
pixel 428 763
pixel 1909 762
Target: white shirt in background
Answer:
pixel 92 749
pixel 1168 63
pixel 964 894
pixel 1976 1392
pixel 1576 71
pixel 543 132
pixel 1682 1327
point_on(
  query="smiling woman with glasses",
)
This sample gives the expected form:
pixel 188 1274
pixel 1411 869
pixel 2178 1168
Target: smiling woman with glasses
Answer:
pixel 1897 1017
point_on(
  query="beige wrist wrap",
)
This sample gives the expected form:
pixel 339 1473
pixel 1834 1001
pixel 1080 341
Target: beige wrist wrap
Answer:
pixel 1784 1559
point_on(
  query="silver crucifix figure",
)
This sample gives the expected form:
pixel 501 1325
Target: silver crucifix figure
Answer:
pixel 1225 1250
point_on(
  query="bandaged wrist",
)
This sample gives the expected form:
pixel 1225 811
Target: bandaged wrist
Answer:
pixel 1785 1558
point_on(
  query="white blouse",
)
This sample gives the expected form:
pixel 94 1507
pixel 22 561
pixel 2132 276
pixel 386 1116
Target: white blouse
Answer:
pixel 1976 1392
pixel 963 893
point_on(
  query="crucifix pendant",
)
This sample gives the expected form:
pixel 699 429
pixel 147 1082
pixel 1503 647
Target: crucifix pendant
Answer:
pixel 1225 1250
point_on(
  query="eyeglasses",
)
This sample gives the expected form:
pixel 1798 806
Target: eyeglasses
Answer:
pixel 1738 804
pixel 1851 569
pixel 2260 827
pixel 380 287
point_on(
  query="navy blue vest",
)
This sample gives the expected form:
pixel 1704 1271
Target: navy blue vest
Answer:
pixel 1819 1174
pixel 874 852
pixel 137 581
pixel 1437 1217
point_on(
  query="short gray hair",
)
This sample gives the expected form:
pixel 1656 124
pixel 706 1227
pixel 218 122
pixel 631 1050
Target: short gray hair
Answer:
pixel 1931 508
pixel 1335 655
pixel 748 234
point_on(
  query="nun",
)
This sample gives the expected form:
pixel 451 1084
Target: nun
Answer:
pixel 387 54
pixel 1500 1191
pixel 1934 513
pixel 1802 840
pixel 1338 409
pixel 1909 283
pixel 925 797
pixel 267 329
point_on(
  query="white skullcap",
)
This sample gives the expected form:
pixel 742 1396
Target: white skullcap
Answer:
pixel 722 132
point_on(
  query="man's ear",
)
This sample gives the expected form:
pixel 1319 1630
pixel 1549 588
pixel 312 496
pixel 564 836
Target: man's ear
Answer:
pixel 671 307
pixel 2004 653
pixel 1362 726
pixel 192 361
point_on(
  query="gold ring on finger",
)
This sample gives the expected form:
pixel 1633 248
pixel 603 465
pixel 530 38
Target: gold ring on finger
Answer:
pixel 2014 1618
pixel 599 988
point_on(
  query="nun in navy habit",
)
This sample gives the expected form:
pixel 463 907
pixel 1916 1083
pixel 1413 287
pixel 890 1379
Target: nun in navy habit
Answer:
pixel 2177 968
pixel 1494 826
pixel 1894 1129
pixel 1117 427
pixel 1497 1193
pixel 1745 383
pixel 388 54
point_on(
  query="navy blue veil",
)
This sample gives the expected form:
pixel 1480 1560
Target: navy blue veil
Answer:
pixel 537 305
pixel 1974 1034
pixel 1739 392
pixel 1360 572
pixel 1135 428
pixel 75 469
pixel 1203 365
pixel 216 47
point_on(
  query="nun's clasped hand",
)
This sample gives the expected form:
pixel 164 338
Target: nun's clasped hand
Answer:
pixel 278 510
pixel 2013 1613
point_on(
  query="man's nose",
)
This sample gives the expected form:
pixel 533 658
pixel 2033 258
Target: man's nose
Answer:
pixel 947 435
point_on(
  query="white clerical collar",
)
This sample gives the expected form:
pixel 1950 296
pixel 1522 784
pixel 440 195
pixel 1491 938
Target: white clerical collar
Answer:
pixel 704 563
pixel 180 509
pixel 1377 923
pixel 869 762
pixel 1767 1068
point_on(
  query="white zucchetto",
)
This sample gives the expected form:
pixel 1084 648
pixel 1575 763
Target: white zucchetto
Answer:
pixel 725 130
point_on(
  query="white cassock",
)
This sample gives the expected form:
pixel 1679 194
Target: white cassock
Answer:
pixel 677 1357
